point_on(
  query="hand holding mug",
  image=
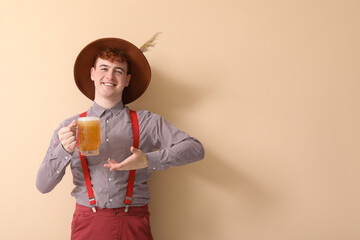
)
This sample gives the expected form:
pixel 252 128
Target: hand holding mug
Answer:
pixel 67 136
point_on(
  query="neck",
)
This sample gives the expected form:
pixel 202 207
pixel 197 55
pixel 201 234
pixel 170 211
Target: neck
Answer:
pixel 107 103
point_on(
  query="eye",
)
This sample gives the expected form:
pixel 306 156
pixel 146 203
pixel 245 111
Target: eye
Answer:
pixel 103 69
pixel 119 72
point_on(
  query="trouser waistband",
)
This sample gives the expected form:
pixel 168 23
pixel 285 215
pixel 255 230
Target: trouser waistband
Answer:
pixel 133 210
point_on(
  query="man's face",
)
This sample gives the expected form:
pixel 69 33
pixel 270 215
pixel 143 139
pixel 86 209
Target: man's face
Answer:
pixel 110 79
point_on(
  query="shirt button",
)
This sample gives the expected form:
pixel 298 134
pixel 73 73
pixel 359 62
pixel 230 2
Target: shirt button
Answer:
pixel 107 121
pixel 57 171
pixel 109 179
pixel 107 139
pixel 66 157
pixel 154 168
pixel 110 200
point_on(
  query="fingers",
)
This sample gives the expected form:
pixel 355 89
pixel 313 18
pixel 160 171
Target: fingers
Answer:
pixel 112 165
pixel 70 141
pixel 111 162
pixel 71 127
pixel 67 136
pixel 64 136
pixel 109 166
pixel 135 161
pixel 135 150
pixel 73 124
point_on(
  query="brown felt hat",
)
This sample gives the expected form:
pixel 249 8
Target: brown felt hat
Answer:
pixel 140 69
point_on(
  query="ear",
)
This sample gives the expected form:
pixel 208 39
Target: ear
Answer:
pixel 92 70
pixel 128 78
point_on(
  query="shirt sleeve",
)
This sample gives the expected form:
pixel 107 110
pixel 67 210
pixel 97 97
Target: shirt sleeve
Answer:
pixel 173 147
pixel 52 168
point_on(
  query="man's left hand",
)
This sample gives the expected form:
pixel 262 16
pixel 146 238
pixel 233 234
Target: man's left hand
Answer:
pixel 136 161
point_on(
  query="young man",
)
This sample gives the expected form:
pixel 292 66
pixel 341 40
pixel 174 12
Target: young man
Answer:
pixel 113 72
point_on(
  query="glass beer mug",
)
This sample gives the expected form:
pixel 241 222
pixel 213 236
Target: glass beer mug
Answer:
pixel 89 135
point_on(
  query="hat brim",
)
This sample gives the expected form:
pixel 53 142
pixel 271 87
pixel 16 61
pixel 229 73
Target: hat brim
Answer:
pixel 140 69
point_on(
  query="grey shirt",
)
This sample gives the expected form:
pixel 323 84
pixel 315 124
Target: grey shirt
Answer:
pixel 164 145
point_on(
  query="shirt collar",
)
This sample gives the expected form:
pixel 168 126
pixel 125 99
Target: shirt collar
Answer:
pixel 99 110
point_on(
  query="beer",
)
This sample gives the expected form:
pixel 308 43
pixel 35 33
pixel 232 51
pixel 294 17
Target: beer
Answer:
pixel 89 135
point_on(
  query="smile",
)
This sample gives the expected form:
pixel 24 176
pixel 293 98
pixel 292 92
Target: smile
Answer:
pixel 109 84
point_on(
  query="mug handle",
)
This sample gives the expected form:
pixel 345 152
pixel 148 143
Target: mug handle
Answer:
pixel 77 139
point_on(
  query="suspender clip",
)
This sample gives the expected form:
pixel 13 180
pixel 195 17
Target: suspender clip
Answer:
pixel 93 204
pixel 94 209
pixel 126 208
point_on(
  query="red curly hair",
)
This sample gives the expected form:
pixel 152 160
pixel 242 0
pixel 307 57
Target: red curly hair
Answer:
pixel 112 55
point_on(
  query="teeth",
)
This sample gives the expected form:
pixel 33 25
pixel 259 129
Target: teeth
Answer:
pixel 109 84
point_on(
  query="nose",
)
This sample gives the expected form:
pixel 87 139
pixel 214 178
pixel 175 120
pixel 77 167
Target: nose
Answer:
pixel 109 75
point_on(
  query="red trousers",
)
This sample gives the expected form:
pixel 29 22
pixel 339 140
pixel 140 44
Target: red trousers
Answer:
pixel 111 224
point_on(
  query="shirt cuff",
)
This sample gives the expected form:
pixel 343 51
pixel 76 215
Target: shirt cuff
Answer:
pixel 62 154
pixel 154 161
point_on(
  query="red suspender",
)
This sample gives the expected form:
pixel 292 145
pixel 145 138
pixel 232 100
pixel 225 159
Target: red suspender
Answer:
pixel 87 177
pixel 135 126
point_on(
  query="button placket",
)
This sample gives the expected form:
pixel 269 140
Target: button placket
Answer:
pixel 108 115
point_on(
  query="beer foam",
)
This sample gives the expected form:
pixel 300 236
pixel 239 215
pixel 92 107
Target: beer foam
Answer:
pixel 87 119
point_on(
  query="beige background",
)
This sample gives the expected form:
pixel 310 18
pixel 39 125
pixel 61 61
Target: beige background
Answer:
pixel 271 88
